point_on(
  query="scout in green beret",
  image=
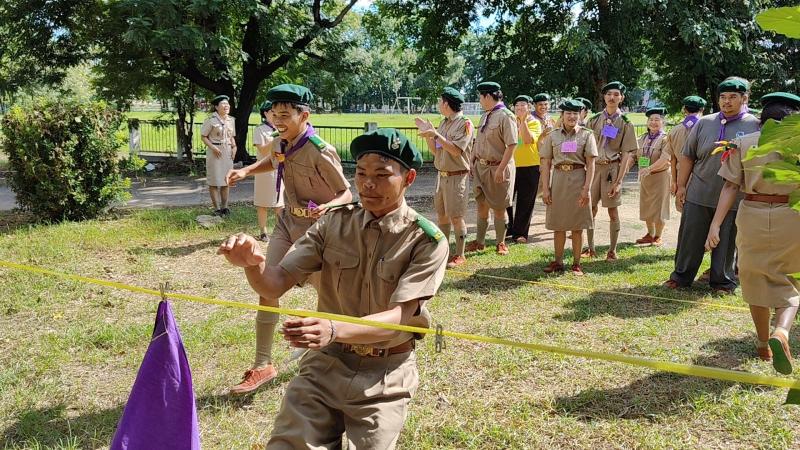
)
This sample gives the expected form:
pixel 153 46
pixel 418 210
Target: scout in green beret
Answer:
pixel 218 133
pixel 493 166
pixel 616 139
pixel 699 189
pixel 541 112
pixel 451 146
pixel 265 198
pixel 309 177
pixel 587 109
pixel 526 164
pixel 654 177
pixel 693 107
pixel 570 151
pixel 766 239
pixel 379 262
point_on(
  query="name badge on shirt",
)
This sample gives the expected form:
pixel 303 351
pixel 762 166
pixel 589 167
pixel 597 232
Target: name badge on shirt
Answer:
pixel 644 161
pixel 569 147
pixel 610 131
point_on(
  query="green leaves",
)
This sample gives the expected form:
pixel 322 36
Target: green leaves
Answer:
pixel 785 21
pixel 782 138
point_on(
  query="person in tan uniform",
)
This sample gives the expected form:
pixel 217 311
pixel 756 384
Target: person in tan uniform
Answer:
pixel 769 251
pixel 616 141
pixel 265 197
pixel 311 171
pixel 654 156
pixel 380 262
pixel 493 165
pixel 451 145
pixel 570 151
pixel 587 110
pixel 693 107
pixel 218 132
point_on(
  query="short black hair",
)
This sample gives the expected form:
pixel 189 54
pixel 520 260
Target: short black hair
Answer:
pixel 693 109
pixel 496 95
pixel 777 110
pixel 298 108
pixel 454 105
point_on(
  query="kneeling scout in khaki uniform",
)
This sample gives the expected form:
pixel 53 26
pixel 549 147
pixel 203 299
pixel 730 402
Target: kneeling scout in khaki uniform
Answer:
pixel 767 243
pixel 493 165
pixel 571 151
pixel 380 262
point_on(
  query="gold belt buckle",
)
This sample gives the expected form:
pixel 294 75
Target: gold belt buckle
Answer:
pixel 361 349
pixel 566 167
pixel 442 173
pixel 300 212
pixel 484 162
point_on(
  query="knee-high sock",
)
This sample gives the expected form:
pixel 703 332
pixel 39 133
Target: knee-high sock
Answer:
pixel 461 238
pixel 614 228
pixel 445 227
pixel 480 236
pixel 784 318
pixel 500 230
pixel 590 239
pixel 265 330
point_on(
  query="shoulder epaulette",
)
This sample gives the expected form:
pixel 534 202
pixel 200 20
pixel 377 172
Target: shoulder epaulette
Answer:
pixel 318 142
pixel 594 116
pixel 625 118
pixel 429 228
pixel 508 112
pixel 275 133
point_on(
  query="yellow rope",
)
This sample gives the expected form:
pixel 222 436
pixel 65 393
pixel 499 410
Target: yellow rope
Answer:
pixel 683 369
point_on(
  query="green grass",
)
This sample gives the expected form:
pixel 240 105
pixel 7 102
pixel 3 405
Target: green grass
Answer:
pixel 70 352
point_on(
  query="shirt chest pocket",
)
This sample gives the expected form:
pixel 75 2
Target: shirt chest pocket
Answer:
pixel 389 273
pixel 304 176
pixel 340 266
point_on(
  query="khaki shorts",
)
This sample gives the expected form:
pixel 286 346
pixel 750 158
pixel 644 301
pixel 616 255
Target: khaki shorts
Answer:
pixel 497 195
pixel 452 195
pixel 337 392
pixel 601 186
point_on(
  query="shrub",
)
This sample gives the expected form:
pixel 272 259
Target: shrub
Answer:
pixel 63 158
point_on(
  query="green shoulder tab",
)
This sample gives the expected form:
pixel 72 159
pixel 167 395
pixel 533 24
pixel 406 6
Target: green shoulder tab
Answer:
pixel 275 134
pixel 625 119
pixel 430 228
pixel 594 116
pixel 318 142
pixel 509 112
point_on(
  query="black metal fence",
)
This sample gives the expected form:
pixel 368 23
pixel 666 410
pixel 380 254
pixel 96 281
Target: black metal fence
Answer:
pixel 158 137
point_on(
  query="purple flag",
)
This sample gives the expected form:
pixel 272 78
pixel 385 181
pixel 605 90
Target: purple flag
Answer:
pixel 161 412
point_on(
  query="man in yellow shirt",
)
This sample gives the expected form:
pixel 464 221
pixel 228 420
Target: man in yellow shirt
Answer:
pixel 526 161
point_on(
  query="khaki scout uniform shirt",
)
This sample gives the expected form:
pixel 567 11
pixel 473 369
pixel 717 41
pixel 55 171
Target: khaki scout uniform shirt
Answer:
pixel 220 133
pixel 565 186
pixel 366 263
pixel 654 189
pixel 457 130
pixel 766 240
pixel 676 139
pixel 496 131
pixel 624 142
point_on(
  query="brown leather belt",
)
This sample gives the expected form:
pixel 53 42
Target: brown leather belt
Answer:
pixel 659 171
pixel 605 162
pixel 569 167
pixel 486 162
pixel 443 173
pixel 764 198
pixel 370 351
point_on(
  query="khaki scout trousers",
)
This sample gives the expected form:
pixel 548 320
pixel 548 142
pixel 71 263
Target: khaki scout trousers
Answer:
pixel 337 392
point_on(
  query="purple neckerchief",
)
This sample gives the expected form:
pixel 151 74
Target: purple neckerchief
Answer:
pixel 287 153
pixel 542 120
pixel 650 140
pixel 498 106
pixel 608 118
pixel 689 121
pixel 723 120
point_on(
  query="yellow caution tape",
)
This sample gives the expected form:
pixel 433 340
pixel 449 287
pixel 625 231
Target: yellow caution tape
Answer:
pixel 600 291
pixel 665 366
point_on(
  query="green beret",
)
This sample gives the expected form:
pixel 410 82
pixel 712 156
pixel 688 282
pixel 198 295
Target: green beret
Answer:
pixel 522 98
pixel 290 93
pixel 453 95
pixel 389 143
pixel 733 85
pixel 541 98
pixel 266 106
pixel 694 101
pixel 571 105
pixel 613 85
pixel 781 97
pixel 660 111
pixel 215 101
pixel 586 102
pixel 487 87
